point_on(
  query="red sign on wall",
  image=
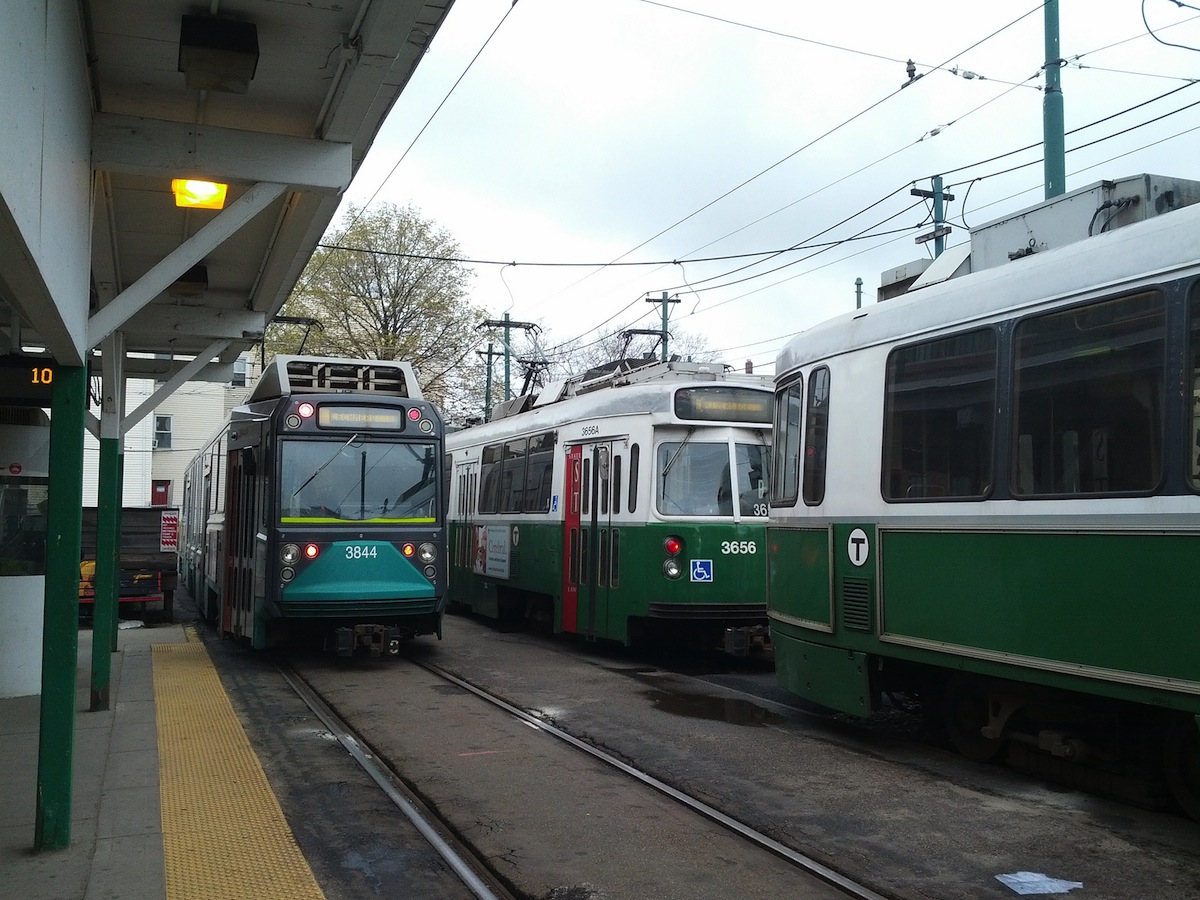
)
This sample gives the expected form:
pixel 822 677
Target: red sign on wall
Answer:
pixel 168 535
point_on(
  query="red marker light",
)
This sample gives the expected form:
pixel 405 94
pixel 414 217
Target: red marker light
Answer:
pixel 408 550
pixel 673 545
pixel 414 414
pixel 306 410
pixel 311 551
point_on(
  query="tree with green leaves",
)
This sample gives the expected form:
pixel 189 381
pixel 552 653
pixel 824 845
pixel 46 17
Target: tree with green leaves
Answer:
pixel 387 283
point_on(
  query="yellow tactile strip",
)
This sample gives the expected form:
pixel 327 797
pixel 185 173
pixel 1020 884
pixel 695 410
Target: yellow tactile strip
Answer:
pixel 224 835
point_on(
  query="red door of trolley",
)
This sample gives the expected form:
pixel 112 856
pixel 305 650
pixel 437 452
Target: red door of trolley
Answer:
pixel 571 539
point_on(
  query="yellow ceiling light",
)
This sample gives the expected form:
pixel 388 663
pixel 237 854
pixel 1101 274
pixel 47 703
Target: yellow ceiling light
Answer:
pixel 198 194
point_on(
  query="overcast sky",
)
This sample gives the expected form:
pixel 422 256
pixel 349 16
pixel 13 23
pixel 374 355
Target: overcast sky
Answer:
pixel 589 132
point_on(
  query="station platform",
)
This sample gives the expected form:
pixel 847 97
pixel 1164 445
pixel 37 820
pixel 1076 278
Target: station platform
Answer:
pixel 168 798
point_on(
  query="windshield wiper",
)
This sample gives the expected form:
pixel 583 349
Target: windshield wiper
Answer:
pixel 678 450
pixel 324 465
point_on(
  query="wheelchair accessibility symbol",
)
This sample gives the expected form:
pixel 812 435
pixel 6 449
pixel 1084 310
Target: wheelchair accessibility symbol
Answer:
pixel 702 570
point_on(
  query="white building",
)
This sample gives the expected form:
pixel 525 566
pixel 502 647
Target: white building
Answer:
pixel 157 449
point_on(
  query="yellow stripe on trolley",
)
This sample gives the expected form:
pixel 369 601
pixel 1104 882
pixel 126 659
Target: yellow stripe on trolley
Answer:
pixel 224 834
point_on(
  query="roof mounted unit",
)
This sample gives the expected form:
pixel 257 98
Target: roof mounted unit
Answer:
pixel 288 375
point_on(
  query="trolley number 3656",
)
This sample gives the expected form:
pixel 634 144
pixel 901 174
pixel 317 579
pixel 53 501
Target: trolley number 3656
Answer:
pixel 361 551
pixel 739 547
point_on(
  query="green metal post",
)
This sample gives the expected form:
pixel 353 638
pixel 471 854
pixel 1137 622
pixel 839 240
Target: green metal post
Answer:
pixel 939 217
pixel 487 399
pixel 665 357
pixel 60 637
pixel 107 579
pixel 116 619
pixel 507 357
pixel 1053 127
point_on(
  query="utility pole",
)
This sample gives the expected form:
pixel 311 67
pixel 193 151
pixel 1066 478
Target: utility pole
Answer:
pixel 1053 128
pixel 664 301
pixel 507 324
pixel 940 228
pixel 487 391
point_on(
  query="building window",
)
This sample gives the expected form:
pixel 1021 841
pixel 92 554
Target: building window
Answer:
pixel 162 432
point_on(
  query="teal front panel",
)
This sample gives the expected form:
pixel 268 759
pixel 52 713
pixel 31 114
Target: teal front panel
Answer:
pixel 350 571
pixel 1121 602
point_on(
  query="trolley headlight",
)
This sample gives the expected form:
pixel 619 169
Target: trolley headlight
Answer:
pixel 287 573
pixel 430 572
pixel 672 568
pixel 289 554
pixel 427 553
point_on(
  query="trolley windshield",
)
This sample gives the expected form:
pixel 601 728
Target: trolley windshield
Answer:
pixel 358 480
pixel 693 478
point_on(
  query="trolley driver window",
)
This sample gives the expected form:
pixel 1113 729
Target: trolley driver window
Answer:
pixel 358 481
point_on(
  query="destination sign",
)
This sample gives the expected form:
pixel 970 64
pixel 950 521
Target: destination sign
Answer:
pixel 360 418
pixel 715 403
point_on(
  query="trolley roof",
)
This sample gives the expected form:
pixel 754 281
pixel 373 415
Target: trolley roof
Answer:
pixel 287 375
pixel 1141 253
pixel 622 373
pixel 627 388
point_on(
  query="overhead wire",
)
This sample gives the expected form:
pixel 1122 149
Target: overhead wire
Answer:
pixel 805 146
pixel 801 149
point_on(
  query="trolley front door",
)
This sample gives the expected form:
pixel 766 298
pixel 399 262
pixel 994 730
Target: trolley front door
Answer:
pixel 572 504
pixel 589 543
pixel 237 613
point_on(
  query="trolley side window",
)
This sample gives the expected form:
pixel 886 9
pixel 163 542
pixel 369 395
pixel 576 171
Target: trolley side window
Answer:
pixel 489 472
pixel 785 481
pixel 538 472
pixel 635 453
pixel 1088 399
pixel 816 436
pixel 616 483
pixel 512 481
pixel 939 418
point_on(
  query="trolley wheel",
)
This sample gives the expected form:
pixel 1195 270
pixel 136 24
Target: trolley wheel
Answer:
pixel 1181 761
pixel 966 713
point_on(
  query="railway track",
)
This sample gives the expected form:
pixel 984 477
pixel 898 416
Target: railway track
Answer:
pixel 475 876
pixel 477 873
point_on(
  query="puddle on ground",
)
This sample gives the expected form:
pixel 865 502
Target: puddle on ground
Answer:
pixel 733 710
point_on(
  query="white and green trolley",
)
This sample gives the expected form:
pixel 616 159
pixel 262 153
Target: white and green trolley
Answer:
pixel 620 505
pixel 987 494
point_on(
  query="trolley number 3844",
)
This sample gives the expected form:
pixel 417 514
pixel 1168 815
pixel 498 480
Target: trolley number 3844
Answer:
pixel 739 547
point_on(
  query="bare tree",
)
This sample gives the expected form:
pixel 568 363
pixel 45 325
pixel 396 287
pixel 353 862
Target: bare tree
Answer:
pixel 387 284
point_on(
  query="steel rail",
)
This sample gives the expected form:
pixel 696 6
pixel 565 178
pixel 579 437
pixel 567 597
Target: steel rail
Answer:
pixel 807 863
pixel 391 787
